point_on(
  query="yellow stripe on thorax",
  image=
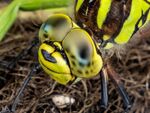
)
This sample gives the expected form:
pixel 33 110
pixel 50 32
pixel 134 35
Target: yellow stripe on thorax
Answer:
pixel 78 5
pixel 145 6
pixel 103 11
pixel 129 25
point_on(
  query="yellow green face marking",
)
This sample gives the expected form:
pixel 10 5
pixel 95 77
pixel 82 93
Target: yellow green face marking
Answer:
pixel 72 55
pixel 54 64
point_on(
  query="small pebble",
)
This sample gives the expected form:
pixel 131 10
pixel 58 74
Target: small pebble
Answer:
pixel 62 101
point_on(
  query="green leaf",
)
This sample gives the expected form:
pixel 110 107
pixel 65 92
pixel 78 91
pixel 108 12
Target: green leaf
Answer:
pixel 8 16
pixel 29 5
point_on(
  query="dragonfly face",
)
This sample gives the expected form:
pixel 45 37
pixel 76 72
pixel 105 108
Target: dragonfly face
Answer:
pixel 67 51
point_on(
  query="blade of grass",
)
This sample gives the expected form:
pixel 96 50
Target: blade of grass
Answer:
pixel 43 4
pixel 8 16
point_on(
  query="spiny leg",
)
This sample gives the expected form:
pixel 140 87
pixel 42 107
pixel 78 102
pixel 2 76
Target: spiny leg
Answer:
pixel 36 68
pixel 23 53
pixel 33 71
pixel 11 65
pixel 117 81
pixel 104 92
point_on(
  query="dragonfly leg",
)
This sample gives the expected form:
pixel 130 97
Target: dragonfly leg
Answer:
pixel 33 71
pixel 104 89
pixel 23 53
pixel 119 85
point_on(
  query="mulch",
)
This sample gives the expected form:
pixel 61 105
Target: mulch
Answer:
pixel 133 67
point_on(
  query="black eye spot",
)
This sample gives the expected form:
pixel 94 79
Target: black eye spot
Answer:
pixel 72 56
pixel 67 50
pixel 45 35
pixel 56 22
pixel 92 62
pixel 81 64
pixel 84 52
pixel 91 71
pixel 86 72
pixel 48 57
pixel 74 64
pixel 89 64
pixel 79 71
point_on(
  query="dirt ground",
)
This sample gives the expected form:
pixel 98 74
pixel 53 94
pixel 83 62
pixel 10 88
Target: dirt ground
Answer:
pixel 134 69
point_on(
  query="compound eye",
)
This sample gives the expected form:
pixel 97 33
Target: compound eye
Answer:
pixel 78 45
pixel 81 53
pixel 55 28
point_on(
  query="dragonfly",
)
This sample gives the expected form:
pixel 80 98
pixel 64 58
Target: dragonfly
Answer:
pixel 69 50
